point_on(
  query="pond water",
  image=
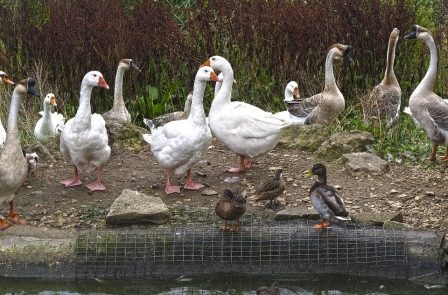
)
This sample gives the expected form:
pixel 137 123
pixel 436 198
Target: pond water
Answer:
pixel 221 284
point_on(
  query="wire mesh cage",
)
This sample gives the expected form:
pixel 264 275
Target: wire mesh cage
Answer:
pixel 274 247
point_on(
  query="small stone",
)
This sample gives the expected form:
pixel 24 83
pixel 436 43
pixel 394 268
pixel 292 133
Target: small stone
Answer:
pixel 74 201
pixel 338 187
pixel 201 174
pixel 429 193
pixel 393 191
pixel 296 213
pixel 209 192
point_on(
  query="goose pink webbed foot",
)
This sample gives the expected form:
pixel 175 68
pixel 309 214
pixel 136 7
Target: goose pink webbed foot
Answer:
pixel 74 181
pixel 189 184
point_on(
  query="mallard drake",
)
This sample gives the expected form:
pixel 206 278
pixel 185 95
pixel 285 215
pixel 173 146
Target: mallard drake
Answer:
pixel 119 113
pixel 427 108
pixel 4 79
pixel 51 124
pixel 272 290
pixel 174 116
pixel 245 129
pixel 231 206
pixel 14 168
pixel 325 198
pixel 385 99
pixel 179 145
pixel 325 106
pixel 271 188
pixel 84 140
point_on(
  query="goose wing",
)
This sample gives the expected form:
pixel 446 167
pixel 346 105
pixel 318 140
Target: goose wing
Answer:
pixel 306 106
pixel 438 110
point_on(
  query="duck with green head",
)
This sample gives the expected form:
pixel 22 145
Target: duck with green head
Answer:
pixel 325 198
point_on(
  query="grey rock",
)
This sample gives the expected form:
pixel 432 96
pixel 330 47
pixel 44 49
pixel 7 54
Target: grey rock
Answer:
pixel 390 224
pixel 127 136
pixel 296 213
pixel 365 163
pixel 343 143
pixel 133 207
pixel 209 192
pixel 304 137
pixel 378 219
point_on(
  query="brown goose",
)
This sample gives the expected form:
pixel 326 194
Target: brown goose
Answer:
pixel 428 109
pixel 14 168
pixel 272 188
pixel 385 99
pixel 323 107
pixel 231 206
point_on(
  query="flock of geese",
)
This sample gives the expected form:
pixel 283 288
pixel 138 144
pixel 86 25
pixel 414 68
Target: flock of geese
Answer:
pixel 179 140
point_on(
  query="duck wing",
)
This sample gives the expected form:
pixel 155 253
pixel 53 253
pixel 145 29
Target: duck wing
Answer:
pixel 334 201
pixel 318 200
pixel 268 185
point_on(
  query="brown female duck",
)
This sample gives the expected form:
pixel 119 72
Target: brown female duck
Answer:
pixel 272 188
pixel 231 206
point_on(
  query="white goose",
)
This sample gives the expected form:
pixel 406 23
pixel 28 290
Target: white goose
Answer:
pixel 385 99
pixel 245 129
pixel 427 108
pixel 325 106
pixel 179 145
pixel 84 140
pixel 119 113
pixel 14 167
pixel 50 124
pixel 292 98
pixel 4 79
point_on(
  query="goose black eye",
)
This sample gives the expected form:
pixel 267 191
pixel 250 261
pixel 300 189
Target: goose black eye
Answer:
pixel 213 58
pixel 206 71
pixel 95 75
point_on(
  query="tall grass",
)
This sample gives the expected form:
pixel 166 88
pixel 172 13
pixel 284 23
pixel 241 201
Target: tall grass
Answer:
pixel 268 42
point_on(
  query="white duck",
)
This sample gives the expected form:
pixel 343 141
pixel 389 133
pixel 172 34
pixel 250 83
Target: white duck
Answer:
pixel 245 129
pixel 14 167
pixel 84 140
pixel 323 107
pixel 50 124
pixel 4 79
pixel 179 145
pixel 292 97
pixel 119 113
pixel 427 108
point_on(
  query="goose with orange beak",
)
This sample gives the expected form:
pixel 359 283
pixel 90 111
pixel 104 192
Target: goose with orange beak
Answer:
pixel 245 129
pixel 50 124
pixel 84 140
pixel 5 80
pixel 179 145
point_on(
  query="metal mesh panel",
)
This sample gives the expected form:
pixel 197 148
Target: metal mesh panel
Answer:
pixel 277 247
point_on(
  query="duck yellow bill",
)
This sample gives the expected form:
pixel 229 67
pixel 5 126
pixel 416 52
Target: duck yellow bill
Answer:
pixel 206 63
pixel 308 173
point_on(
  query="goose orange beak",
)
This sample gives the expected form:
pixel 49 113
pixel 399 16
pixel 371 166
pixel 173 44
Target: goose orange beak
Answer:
pixel 206 63
pixel 53 101
pixel 296 92
pixel 102 83
pixel 6 80
pixel 214 77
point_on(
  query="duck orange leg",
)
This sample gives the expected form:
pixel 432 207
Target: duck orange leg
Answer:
pixel 323 224
pixel 74 181
pixel 4 224
pixel 170 188
pixel 189 184
pixel 13 216
pixel 243 166
pixel 236 226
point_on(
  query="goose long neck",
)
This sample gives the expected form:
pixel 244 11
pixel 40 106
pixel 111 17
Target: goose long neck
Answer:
pixel 12 135
pixel 224 94
pixel 118 90
pixel 288 95
pixel 84 112
pixel 430 78
pixel 47 111
pixel 329 75
pixel 197 113
pixel 389 75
